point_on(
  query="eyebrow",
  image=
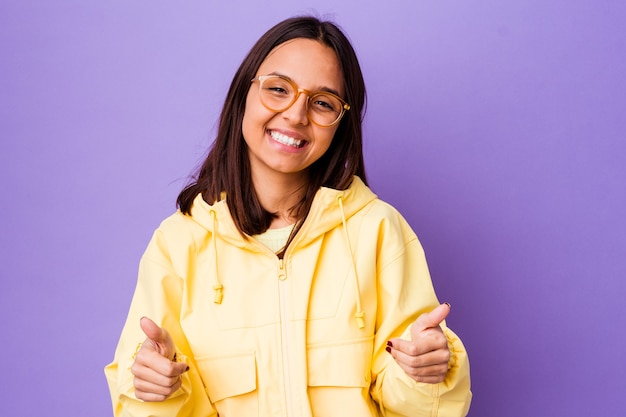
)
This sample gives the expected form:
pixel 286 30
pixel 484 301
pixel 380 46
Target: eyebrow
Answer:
pixel 325 89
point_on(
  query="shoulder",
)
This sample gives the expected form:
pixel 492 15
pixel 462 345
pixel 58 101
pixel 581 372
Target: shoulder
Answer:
pixel 381 208
pixel 387 217
pixel 176 233
pixel 176 226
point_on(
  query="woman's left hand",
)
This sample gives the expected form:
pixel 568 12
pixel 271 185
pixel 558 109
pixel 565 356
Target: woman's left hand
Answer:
pixel 425 357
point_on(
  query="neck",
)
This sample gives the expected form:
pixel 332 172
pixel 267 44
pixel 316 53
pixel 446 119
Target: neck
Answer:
pixel 278 194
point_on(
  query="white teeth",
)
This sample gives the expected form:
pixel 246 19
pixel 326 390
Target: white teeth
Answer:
pixel 286 140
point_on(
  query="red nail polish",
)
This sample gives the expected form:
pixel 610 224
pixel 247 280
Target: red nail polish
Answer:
pixel 389 344
pixel 388 349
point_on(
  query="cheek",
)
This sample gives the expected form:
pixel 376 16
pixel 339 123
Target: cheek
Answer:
pixel 249 122
pixel 255 118
pixel 327 137
pixel 245 123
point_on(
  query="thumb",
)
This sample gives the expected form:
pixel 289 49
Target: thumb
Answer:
pixel 159 337
pixel 433 318
pixel 152 330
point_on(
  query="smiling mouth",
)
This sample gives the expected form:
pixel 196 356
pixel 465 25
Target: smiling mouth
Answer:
pixel 287 140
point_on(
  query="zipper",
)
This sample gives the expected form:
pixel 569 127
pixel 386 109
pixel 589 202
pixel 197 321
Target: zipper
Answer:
pixel 285 335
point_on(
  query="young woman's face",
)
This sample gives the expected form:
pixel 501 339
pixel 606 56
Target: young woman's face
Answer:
pixel 287 143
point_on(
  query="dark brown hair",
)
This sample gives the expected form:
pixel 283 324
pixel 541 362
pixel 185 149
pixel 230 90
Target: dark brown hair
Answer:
pixel 227 167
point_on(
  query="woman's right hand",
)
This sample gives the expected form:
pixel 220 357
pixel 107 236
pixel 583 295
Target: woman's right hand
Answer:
pixel 157 374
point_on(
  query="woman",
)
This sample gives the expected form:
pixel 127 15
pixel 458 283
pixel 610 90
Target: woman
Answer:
pixel 283 286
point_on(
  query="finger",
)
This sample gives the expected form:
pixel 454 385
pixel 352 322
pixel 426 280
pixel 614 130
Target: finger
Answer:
pixel 151 359
pixel 421 342
pixel 404 347
pixel 430 379
pixel 150 396
pixel 429 374
pixel 146 391
pixel 438 358
pixel 432 319
pixel 149 380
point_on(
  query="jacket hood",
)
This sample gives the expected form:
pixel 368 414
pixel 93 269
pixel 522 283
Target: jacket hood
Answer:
pixel 327 210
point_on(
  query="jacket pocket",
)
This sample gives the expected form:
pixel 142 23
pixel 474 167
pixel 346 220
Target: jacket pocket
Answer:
pixel 230 382
pixel 339 379
pixel 344 364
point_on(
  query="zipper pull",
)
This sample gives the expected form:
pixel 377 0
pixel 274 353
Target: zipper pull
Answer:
pixel 282 274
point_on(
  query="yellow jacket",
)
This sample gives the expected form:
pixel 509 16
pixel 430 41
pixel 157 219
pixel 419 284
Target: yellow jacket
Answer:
pixel 303 336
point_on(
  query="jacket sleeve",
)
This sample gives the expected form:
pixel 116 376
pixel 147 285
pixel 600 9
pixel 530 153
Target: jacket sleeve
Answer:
pixel 158 295
pixel 406 291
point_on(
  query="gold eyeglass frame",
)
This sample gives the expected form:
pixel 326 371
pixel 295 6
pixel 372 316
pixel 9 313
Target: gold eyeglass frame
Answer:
pixel 344 105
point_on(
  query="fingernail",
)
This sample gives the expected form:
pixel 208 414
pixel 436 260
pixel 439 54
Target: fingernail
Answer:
pixel 186 369
pixel 448 304
pixel 388 349
pixel 389 344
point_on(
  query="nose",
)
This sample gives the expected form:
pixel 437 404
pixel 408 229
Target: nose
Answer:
pixel 297 112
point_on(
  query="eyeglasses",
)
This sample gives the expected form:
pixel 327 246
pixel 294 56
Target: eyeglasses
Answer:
pixel 278 93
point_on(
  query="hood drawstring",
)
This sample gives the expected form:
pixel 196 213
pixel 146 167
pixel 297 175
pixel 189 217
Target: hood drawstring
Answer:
pixel 217 286
pixel 359 315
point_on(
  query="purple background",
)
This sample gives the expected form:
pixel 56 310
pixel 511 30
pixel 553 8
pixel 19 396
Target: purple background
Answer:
pixel 496 127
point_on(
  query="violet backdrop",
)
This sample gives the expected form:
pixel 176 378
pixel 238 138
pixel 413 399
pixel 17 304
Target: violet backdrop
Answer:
pixel 497 128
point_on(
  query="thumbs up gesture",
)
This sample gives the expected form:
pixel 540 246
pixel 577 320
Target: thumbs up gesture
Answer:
pixel 157 375
pixel 425 357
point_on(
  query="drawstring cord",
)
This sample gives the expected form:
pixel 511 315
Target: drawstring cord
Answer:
pixel 359 315
pixel 218 287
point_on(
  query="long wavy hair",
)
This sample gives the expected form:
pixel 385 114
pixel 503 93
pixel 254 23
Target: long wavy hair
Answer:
pixel 227 166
